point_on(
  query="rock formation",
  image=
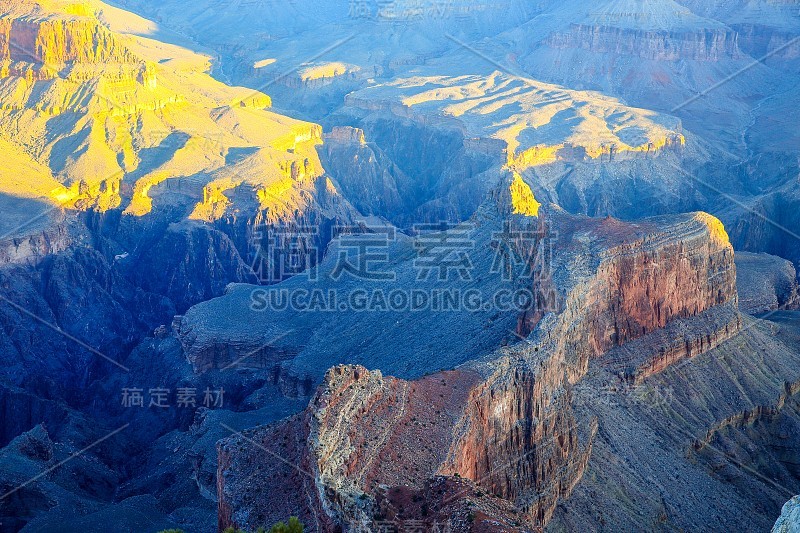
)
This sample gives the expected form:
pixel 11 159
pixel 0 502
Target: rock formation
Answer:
pixel 789 521
pixel 47 41
pixel 765 283
pixel 539 123
pixel 703 45
pixel 506 424
pixel 147 210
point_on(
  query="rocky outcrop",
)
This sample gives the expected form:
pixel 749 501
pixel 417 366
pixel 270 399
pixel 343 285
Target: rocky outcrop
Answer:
pixel 367 446
pixel 346 134
pixel 636 361
pixel 33 248
pixel 215 356
pixel 518 438
pixel 639 277
pixel 765 283
pixel 789 521
pixel 399 438
pixel 702 45
pixel 317 75
pixel 58 41
pixel 37 44
pixel 507 425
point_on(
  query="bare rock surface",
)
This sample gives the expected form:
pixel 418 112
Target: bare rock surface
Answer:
pixel 629 393
pixel 789 521
pixel 506 421
pixel 765 282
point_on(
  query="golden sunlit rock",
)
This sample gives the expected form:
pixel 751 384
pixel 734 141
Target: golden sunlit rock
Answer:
pixel 140 111
pixel 483 299
pixel 716 229
pixel 523 201
pixel 539 123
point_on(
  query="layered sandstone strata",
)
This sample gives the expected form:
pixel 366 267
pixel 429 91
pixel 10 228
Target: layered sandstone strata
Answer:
pixel 615 281
pixel 702 45
pixel 505 424
pixel 57 41
pixel 38 40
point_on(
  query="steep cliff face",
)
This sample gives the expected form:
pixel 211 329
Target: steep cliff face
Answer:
pixel 518 438
pixel 32 247
pixel 759 40
pixel 764 27
pixel 209 261
pixel 508 424
pixel 50 42
pixel 80 293
pixel 651 354
pixel 702 45
pixel 22 411
pixel 367 176
pixel 641 277
pixel 648 275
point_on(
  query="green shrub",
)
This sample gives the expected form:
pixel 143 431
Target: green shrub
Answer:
pixel 294 526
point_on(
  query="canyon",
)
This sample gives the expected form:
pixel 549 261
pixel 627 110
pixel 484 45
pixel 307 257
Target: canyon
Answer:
pixel 503 423
pixel 243 200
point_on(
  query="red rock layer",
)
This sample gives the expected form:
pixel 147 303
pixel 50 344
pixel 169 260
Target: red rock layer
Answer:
pixel 686 348
pixel 644 275
pixel 506 426
pixel 519 440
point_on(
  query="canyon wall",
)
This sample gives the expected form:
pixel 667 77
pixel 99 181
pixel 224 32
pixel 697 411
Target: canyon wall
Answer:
pixel 505 424
pixel 643 276
pixel 57 41
pixel 33 248
pixel 39 46
pixel 703 45
pixel 518 438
